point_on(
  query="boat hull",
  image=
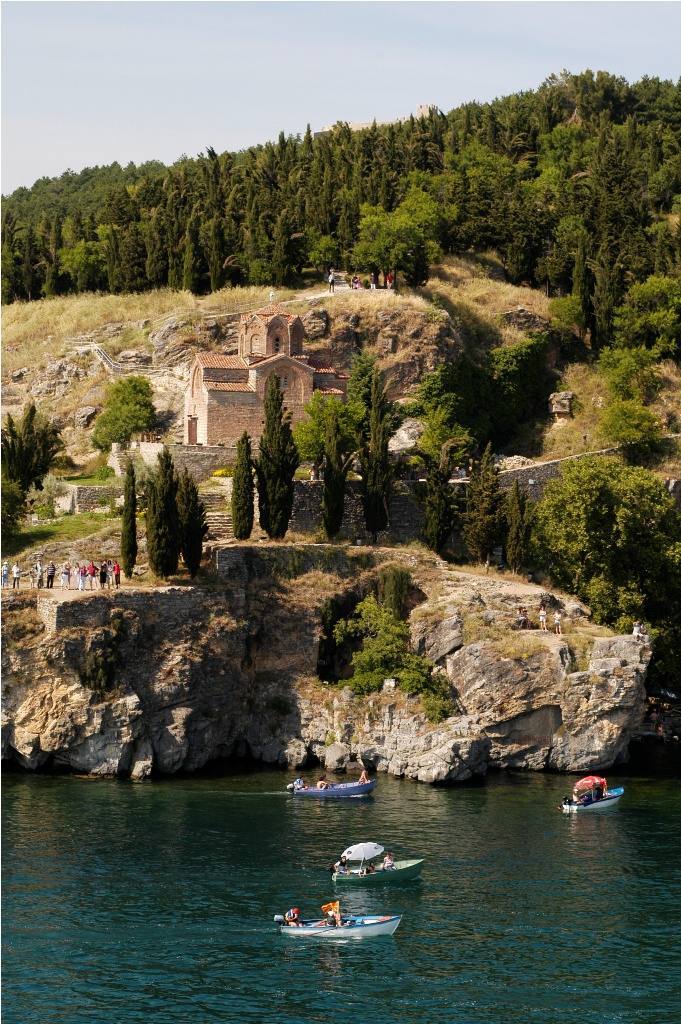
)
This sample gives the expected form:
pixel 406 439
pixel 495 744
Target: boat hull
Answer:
pixel 337 791
pixel 356 928
pixel 403 871
pixel 605 804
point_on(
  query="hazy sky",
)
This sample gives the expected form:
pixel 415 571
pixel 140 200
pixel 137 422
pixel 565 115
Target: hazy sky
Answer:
pixel 90 83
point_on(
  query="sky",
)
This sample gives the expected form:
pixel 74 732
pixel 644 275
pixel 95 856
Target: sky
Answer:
pixel 89 83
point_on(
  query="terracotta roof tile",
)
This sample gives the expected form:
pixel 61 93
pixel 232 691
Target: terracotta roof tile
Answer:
pixel 330 391
pixel 267 312
pixel 216 360
pixel 228 385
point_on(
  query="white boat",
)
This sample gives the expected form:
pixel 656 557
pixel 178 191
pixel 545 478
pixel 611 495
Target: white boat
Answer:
pixel 355 927
pixel 591 794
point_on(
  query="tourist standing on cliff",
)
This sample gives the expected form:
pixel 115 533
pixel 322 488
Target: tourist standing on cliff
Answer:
pixel 556 623
pixel 542 616
pixel 117 574
pixel 16 576
pixel 82 576
pixel 5 574
pixel 92 572
pixel 332 281
pixel 372 281
pixel 102 574
pixel 50 572
pixel 66 576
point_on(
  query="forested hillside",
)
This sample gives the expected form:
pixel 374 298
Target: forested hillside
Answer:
pixel 576 185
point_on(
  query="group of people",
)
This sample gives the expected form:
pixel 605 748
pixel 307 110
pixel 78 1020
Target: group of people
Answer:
pixel 83 575
pixel 322 782
pixel 523 620
pixel 342 867
pixel 356 281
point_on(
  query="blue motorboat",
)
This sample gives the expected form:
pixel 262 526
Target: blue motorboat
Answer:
pixel 332 790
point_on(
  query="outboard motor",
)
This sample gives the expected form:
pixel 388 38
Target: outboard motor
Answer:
pixel 279 919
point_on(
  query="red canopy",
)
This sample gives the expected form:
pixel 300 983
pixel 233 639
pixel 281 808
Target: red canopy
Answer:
pixel 590 782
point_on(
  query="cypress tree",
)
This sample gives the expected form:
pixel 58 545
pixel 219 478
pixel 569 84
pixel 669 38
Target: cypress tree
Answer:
pixel 163 528
pixel 242 490
pixel 375 462
pixel 191 513
pixel 517 526
pixel 440 511
pixel 605 296
pixel 336 465
pixel 580 281
pixel 481 518
pixel 129 522
pixel 191 273
pixel 276 464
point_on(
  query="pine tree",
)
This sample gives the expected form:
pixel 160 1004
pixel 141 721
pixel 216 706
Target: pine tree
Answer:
pixel 336 465
pixel 242 490
pixel 163 529
pixel 375 462
pixel 215 251
pixel 276 464
pixel 113 259
pixel 440 509
pixel 191 514
pixel 481 518
pixel 129 522
pixel 281 258
pixel 517 517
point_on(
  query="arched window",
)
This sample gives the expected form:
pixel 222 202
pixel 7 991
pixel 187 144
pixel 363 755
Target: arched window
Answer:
pixel 277 344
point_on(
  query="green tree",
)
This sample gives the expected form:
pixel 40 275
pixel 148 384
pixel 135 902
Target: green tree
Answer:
pixel 276 464
pixel 362 373
pixel 517 521
pixel 384 652
pixel 191 513
pixel 611 534
pixel 627 422
pixel 630 372
pixel 163 527
pixel 242 490
pixel 310 433
pixel 481 520
pixel 440 507
pixel 650 317
pixel 191 267
pixel 13 506
pixel 374 459
pixel 128 409
pixel 337 459
pixel 394 583
pixel 604 300
pixel 30 447
pixel 129 522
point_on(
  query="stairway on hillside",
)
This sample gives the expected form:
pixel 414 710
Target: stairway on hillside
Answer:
pixel 218 515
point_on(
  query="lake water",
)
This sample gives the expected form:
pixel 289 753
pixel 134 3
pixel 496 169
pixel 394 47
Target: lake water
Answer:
pixel 134 903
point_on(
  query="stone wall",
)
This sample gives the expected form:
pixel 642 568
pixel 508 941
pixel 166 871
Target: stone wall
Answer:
pixel 534 478
pixel 199 459
pixel 93 498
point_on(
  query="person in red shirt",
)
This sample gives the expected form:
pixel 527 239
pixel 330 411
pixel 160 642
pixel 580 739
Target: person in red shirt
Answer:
pixel 92 571
pixel 117 574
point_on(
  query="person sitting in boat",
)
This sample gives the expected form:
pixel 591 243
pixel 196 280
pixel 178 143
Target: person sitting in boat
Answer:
pixel 388 862
pixel 364 778
pixel 292 917
pixel 333 918
pixel 341 866
pixel 323 784
pixel 299 784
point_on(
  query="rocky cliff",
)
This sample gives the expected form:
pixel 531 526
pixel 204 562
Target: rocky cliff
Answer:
pixel 170 679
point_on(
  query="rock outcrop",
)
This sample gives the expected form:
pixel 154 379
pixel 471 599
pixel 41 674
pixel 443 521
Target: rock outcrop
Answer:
pixel 166 680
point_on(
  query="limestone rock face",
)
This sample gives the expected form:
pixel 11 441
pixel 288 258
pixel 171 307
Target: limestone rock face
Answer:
pixel 538 714
pixel 407 436
pixel 316 324
pixel 230 672
pixel 84 416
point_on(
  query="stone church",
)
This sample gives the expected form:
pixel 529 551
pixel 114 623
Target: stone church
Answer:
pixel 225 394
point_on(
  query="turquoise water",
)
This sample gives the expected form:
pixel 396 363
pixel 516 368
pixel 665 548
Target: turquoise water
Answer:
pixel 129 903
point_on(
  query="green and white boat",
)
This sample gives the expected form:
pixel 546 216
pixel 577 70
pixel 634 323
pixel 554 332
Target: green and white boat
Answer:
pixel 359 868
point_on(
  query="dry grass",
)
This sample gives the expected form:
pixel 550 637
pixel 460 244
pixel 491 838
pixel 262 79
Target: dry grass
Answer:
pixel 476 301
pixel 366 301
pixel 35 332
pixel 591 395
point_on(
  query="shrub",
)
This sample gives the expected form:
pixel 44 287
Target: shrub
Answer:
pixel 628 423
pixel 437 707
pixel 630 372
pixel 128 409
pixel 393 587
pixel 223 472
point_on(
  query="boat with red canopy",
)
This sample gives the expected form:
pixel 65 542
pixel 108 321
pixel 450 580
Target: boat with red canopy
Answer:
pixel 591 794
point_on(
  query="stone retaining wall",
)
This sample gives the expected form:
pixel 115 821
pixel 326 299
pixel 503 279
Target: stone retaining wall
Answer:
pixel 91 498
pixel 199 459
